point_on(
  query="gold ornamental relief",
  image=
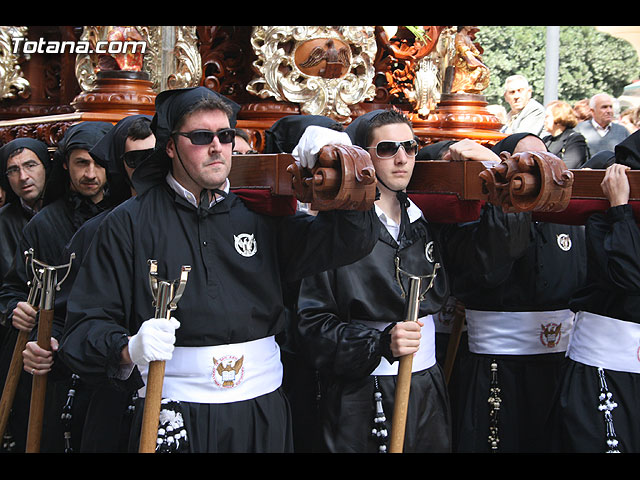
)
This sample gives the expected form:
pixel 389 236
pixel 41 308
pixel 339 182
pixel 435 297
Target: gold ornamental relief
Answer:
pixel 323 69
pixel 12 82
pixel 171 56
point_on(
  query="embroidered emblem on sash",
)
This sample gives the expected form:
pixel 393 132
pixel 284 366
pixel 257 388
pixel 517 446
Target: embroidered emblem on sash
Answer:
pixel 228 372
pixel 428 251
pixel 550 334
pixel 564 241
pixel 245 244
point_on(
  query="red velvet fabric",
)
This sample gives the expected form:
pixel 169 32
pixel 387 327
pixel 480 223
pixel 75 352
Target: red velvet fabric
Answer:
pixel 260 200
pixel 446 208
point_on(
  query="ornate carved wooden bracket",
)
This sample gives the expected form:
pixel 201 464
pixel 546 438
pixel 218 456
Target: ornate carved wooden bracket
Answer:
pixel 342 179
pixel 529 182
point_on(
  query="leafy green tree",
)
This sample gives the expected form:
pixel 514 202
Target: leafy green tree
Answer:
pixel 589 61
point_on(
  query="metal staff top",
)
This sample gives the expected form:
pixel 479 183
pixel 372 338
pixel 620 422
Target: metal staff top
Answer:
pixel 166 294
pixel 46 278
pixel 35 284
pixel 415 296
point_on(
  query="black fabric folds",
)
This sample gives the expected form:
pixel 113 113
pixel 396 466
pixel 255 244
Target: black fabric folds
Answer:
pixel 285 133
pixel 509 144
pixel 79 136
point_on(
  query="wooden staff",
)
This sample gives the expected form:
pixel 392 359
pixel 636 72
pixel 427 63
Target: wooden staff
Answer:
pixel 166 296
pixel 15 367
pixel 45 324
pixel 403 384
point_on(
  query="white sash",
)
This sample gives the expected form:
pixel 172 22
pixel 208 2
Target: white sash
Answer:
pixel 519 333
pixel 605 342
pixel 222 373
pixel 424 358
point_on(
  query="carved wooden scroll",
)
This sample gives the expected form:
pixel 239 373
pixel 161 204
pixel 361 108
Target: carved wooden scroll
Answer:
pixel 529 182
pixel 453 192
pixel 343 178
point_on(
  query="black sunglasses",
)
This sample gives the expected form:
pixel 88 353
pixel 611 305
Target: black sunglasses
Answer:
pixel 389 148
pixel 134 158
pixel 205 137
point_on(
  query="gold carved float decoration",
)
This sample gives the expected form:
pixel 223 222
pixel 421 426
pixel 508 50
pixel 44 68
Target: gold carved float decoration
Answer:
pixel 325 70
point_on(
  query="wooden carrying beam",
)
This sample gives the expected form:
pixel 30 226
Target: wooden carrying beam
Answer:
pixel 446 191
pixel 343 178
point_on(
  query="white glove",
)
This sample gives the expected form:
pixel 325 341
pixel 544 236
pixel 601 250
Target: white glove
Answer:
pixel 154 341
pixel 313 139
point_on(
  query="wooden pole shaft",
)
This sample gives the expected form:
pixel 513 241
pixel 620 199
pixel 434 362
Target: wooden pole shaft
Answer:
pixel 39 386
pixel 11 382
pixel 401 405
pixel 152 404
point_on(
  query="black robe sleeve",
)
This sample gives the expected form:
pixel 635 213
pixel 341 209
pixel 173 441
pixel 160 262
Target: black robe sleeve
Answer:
pixel 613 266
pixel 346 349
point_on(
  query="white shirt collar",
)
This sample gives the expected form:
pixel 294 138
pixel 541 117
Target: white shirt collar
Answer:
pixel 190 197
pixel 394 228
pixel 599 128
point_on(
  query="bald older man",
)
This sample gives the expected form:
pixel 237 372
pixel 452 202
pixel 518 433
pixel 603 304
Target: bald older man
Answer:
pixel 526 114
pixel 601 132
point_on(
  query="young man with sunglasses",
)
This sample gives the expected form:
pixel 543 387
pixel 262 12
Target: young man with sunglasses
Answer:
pixel 351 324
pixel 223 371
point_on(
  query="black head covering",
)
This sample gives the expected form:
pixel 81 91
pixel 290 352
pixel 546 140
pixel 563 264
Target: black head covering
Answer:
pixel 358 131
pixel 108 152
pixel 434 151
pixel 509 144
pixel 171 105
pixel 628 151
pixel 36 146
pixel 83 136
pixel 284 134
pixel 600 160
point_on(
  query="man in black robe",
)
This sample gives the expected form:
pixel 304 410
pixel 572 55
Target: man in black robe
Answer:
pixel 518 326
pixel 119 152
pixel 351 324
pixel 24 165
pixel 597 403
pixel 75 192
pixel 223 374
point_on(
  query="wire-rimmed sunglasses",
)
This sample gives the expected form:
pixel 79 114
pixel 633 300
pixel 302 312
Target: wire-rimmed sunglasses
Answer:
pixel 389 148
pixel 205 137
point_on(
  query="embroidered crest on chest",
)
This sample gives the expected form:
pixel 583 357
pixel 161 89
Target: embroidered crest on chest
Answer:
pixel 564 241
pixel 245 244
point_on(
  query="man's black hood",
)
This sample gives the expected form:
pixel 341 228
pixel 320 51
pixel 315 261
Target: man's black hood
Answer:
pixel 171 105
pixel 36 146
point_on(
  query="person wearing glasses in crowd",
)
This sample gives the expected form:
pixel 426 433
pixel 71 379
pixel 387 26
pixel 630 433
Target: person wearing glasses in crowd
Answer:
pixel 24 164
pixel 223 371
pixel 120 151
pixel 351 324
pixel 75 191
